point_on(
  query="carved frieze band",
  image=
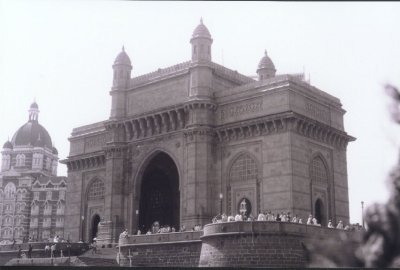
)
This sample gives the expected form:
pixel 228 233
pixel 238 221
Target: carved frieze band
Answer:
pixel 116 150
pixel 201 133
pixel 86 163
pixel 304 126
pixel 159 123
pixel 155 124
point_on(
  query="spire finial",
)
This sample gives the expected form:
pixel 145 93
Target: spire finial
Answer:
pixel 123 48
pixel 265 52
pixel 201 20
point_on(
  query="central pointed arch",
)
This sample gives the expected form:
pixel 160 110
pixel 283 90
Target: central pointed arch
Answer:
pixel 159 196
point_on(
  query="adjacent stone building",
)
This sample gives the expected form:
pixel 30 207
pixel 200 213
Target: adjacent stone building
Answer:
pixel 32 197
pixel 184 142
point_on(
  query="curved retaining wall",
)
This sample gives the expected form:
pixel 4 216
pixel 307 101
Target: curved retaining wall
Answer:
pixel 259 244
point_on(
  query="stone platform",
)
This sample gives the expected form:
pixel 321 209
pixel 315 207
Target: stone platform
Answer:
pixel 228 244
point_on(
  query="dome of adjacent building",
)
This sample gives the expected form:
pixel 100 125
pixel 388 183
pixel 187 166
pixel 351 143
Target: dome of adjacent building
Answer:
pixel 201 31
pixel 29 134
pixel 122 58
pixel 39 142
pixel 266 62
pixel 8 145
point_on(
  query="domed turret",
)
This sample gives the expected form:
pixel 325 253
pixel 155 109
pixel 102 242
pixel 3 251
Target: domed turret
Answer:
pixel 34 112
pixel 8 145
pixel 201 43
pixel 122 73
pixel 201 31
pixel 266 68
pixel 122 58
pixel 34 105
pixel 122 70
pixel 29 133
pixel 55 151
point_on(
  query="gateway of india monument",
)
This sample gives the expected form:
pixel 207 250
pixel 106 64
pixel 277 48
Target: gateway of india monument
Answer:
pixel 186 142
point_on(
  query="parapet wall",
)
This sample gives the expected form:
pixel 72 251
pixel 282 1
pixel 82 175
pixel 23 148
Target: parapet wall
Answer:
pixel 164 249
pixel 228 244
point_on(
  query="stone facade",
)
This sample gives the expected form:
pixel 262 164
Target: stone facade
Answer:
pixel 277 142
pixel 32 196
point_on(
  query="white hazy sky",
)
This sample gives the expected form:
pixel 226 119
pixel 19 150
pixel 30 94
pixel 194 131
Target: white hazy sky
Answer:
pixel 61 52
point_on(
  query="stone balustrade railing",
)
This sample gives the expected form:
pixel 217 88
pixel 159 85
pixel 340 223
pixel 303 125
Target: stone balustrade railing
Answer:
pixel 140 80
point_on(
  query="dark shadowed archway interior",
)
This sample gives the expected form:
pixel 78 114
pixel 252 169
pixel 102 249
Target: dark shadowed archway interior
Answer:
pixel 95 226
pixel 319 212
pixel 159 196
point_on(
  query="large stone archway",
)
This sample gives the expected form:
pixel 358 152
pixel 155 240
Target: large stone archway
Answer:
pixel 159 193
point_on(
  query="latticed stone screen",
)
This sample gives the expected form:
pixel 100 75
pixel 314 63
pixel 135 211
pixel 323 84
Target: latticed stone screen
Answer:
pixel 244 169
pixel 318 171
pixel 96 191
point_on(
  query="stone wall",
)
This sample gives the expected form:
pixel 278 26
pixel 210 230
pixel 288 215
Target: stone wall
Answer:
pixel 228 244
pixel 166 250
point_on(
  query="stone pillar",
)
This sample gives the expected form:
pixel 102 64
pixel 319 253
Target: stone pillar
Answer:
pixel 114 185
pixel 74 209
pixel 198 194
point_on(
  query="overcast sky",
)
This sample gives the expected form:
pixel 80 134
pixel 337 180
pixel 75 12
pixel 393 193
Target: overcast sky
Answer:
pixel 61 52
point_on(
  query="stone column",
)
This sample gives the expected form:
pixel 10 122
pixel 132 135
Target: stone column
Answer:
pixel 116 152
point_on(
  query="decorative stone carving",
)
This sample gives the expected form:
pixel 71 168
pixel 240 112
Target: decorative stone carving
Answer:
pixel 86 163
pixel 288 121
pixel 232 111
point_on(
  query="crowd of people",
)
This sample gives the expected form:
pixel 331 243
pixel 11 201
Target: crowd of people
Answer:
pixel 267 216
pixel 156 228
pixel 282 217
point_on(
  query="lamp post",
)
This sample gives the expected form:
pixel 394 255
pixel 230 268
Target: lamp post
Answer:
pixel 83 218
pixel 221 196
pixel 362 213
pixel 137 219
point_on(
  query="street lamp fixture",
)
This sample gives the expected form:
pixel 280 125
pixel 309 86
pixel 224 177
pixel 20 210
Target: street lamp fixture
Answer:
pixel 221 196
pixel 83 218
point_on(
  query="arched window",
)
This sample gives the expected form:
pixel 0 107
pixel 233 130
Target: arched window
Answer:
pixel 9 190
pixel 243 169
pixel 48 164
pixel 96 190
pixel 319 172
pixel 7 232
pixel 20 160
pixel 6 162
pixel 48 195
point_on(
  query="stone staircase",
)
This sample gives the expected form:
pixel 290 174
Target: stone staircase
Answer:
pixel 103 257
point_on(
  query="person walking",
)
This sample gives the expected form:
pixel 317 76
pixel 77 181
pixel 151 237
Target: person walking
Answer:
pixel 69 248
pixel 19 252
pixel 94 247
pixel 47 250
pixel 53 249
pixel 30 251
